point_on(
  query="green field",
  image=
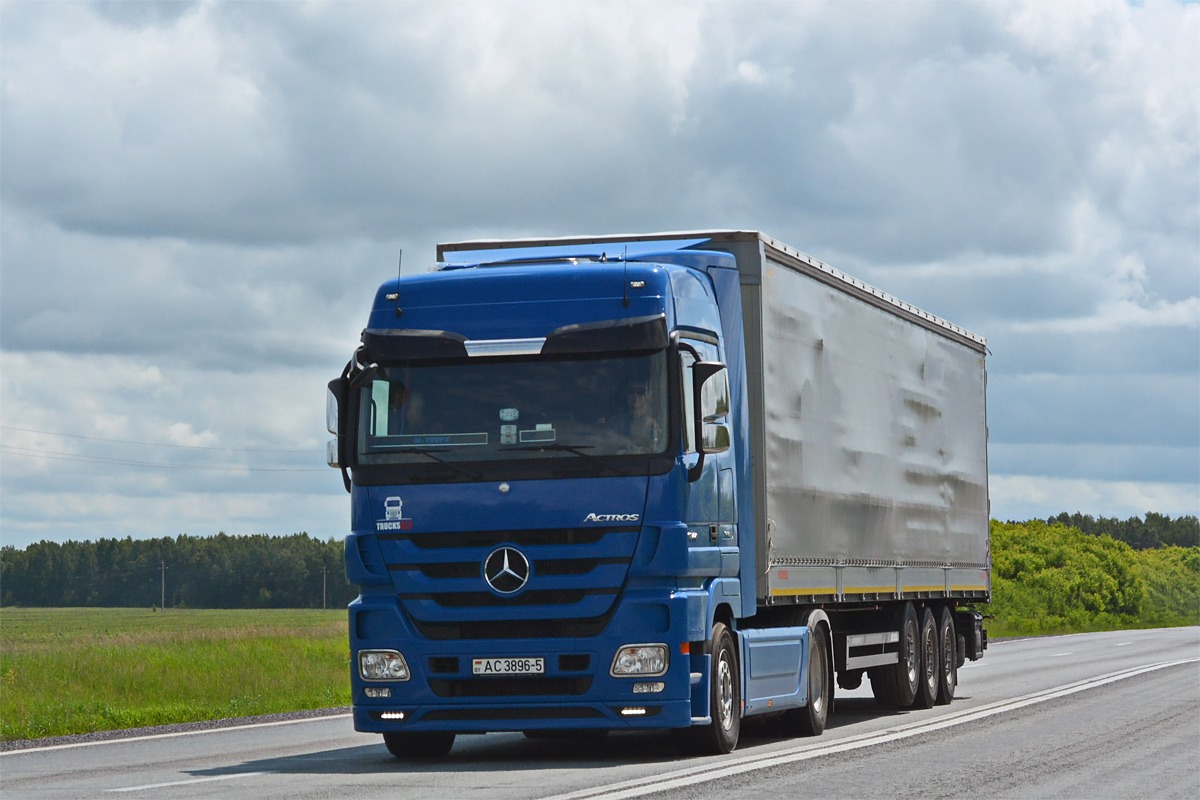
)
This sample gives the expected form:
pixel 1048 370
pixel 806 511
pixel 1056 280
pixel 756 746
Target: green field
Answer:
pixel 75 670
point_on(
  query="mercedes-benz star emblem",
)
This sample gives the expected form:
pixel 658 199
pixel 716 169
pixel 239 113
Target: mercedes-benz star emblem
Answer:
pixel 506 570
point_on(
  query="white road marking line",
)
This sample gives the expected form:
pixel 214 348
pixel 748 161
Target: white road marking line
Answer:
pixel 172 735
pixel 1060 655
pixel 709 772
pixel 185 783
pixel 1122 644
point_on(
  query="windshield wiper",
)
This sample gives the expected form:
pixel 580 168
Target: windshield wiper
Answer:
pixel 576 450
pixel 430 453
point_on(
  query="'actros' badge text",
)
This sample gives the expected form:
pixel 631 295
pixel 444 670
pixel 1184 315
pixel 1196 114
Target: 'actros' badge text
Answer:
pixel 612 518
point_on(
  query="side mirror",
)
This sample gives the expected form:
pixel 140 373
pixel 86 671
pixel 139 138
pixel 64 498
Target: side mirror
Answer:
pixel 716 437
pixel 710 390
pixel 335 423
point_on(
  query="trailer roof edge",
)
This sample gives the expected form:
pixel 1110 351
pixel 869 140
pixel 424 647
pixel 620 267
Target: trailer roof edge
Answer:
pixel 787 255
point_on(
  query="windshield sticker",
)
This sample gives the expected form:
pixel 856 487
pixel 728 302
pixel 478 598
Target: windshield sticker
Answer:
pixel 430 439
pixel 509 414
pixel 508 434
pixel 393 516
pixel 544 432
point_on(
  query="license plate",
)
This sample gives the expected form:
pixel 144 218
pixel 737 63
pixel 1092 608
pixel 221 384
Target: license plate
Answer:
pixel 508 666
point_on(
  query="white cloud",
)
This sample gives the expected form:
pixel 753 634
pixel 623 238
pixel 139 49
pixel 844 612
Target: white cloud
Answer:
pixel 1022 497
pixel 198 200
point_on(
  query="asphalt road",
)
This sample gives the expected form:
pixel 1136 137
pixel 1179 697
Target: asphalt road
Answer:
pixel 1087 716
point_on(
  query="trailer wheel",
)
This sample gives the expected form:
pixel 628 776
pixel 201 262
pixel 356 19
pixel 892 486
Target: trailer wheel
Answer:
pixel 810 720
pixel 930 662
pixel 418 745
pixel 895 685
pixel 725 701
pixel 948 637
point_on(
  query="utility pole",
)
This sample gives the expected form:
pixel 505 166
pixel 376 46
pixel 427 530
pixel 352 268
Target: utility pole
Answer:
pixel 323 571
pixel 164 587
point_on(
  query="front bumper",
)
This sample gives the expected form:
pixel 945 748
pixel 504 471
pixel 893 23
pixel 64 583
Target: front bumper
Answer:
pixel 576 690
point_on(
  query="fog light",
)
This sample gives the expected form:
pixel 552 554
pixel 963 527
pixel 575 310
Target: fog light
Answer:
pixel 382 665
pixel 640 659
pixel 648 688
pixel 380 691
pixel 392 715
pixel 633 711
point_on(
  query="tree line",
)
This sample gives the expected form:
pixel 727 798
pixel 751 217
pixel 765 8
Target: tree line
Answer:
pixel 1055 578
pixel 219 571
pixel 1155 531
pixel 263 571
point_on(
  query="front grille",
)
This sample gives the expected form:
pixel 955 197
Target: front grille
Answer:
pixel 575 574
pixel 535 536
pixel 514 629
pixel 477 714
pixel 510 687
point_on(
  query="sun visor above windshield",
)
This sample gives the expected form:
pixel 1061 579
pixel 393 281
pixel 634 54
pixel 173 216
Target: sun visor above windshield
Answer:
pixel 608 336
pixel 405 345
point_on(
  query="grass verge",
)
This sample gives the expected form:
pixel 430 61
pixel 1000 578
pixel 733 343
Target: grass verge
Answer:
pixel 77 670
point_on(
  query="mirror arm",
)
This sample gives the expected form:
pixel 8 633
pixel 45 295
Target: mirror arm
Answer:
pixel 693 473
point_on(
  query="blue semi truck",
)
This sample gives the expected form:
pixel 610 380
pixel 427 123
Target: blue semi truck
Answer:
pixel 665 481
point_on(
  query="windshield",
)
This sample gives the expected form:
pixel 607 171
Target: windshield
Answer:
pixel 515 409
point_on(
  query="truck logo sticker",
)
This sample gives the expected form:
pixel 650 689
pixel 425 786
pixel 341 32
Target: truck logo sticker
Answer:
pixel 612 517
pixel 393 516
pixel 506 570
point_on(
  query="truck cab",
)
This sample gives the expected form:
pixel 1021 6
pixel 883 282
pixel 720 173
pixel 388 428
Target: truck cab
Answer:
pixel 558 434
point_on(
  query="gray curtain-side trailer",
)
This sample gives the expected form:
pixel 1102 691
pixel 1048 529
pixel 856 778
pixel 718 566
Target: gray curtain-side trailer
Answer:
pixel 862 496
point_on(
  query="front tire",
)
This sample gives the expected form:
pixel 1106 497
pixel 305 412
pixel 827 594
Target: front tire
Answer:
pixel 725 700
pixel 418 745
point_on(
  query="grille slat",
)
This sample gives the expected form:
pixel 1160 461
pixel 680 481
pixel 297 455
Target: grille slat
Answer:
pixel 515 629
pixel 473 569
pixel 510 687
pixel 544 597
pixel 535 536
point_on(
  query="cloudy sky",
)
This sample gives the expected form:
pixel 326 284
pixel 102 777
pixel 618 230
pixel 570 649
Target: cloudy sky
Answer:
pixel 197 201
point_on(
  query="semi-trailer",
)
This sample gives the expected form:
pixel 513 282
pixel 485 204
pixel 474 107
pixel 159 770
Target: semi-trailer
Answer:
pixel 662 481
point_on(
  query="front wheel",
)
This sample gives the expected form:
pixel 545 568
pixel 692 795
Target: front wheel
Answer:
pixel 725 700
pixel 418 745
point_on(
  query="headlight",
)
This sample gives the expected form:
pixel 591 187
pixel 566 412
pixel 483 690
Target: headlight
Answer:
pixel 382 665
pixel 640 659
